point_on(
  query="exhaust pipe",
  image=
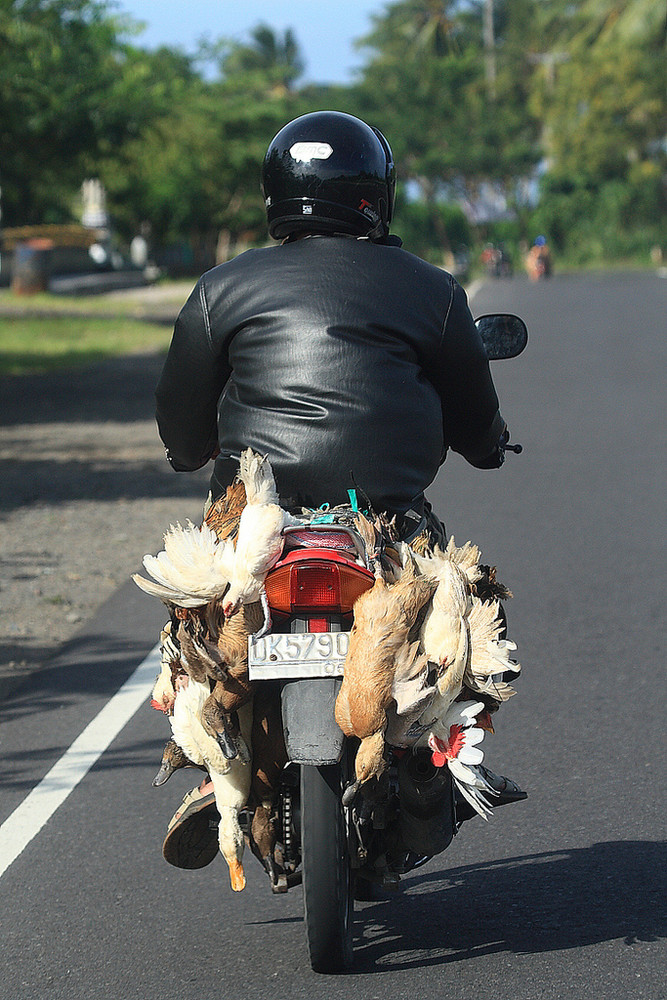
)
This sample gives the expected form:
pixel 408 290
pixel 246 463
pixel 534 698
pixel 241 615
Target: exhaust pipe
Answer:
pixel 427 807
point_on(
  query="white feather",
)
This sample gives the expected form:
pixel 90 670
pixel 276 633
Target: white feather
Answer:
pixel 475 798
pixel 259 542
pixel 465 557
pixel 474 787
pixel 193 568
pixel 257 476
pixel 490 656
pixel 169 595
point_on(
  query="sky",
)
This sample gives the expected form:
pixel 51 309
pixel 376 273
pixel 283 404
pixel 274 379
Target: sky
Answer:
pixel 325 29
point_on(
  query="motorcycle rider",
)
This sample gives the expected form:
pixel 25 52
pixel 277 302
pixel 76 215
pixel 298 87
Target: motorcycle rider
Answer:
pixel 345 359
pixel 538 261
pixel 348 361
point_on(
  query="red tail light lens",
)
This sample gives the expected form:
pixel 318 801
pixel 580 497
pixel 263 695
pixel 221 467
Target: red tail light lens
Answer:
pixel 316 584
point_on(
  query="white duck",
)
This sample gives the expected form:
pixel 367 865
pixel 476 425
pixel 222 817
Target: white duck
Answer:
pixel 490 656
pixel 444 633
pixel 260 540
pixel 231 778
pixel 193 568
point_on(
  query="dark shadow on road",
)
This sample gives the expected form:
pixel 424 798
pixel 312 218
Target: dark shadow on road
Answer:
pixel 90 664
pixel 56 482
pixel 135 755
pixel 526 905
pixel 120 389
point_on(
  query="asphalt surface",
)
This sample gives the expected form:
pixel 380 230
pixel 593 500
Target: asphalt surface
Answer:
pixel 562 896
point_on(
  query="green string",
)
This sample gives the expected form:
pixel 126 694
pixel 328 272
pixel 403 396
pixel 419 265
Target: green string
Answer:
pixel 325 518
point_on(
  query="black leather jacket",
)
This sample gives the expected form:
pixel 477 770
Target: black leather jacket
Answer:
pixel 347 362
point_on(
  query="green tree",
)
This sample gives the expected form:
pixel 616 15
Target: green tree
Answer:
pixel 193 172
pixel 604 110
pixel 60 101
pixel 427 85
pixel 602 104
pixel 277 61
pixel 154 175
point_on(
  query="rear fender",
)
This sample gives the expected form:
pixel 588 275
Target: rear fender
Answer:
pixel 312 735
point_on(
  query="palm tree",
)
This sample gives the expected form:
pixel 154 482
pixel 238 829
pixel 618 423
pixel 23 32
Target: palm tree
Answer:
pixel 268 53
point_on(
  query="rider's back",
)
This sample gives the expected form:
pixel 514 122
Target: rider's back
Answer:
pixel 346 361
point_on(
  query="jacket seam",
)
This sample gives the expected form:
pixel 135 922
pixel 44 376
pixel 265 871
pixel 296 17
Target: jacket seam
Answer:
pixel 207 321
pixel 448 311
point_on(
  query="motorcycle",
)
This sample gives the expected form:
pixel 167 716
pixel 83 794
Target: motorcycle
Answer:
pixel 497 262
pixel 538 263
pixel 338 843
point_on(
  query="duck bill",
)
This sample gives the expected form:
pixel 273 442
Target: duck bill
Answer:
pixel 227 745
pixel 350 793
pixel 236 875
pixel 164 774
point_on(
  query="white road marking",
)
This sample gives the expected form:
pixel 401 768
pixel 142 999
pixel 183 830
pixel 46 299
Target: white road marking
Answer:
pixel 40 804
pixel 473 288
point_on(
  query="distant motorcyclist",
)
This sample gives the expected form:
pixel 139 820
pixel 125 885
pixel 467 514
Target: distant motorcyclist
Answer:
pixel 538 261
pixel 497 261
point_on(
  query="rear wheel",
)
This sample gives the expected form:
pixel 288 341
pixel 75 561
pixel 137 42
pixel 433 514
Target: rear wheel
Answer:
pixel 327 875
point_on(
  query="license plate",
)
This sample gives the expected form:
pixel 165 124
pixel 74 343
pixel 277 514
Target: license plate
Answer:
pixel 297 654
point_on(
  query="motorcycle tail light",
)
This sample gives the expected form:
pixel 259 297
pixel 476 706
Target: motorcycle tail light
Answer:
pixel 278 589
pixel 316 584
pixel 353 584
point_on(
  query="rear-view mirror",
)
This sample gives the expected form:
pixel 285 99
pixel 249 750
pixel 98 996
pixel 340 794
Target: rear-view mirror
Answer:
pixel 504 335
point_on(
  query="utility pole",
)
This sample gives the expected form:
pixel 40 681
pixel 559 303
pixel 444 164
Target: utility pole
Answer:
pixel 549 60
pixel 489 50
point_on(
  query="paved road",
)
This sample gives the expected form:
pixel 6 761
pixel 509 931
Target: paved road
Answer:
pixel 562 896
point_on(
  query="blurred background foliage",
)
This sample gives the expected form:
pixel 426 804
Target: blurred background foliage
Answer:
pixel 506 117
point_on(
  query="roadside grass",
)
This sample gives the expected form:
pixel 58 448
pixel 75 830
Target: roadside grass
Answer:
pixel 137 302
pixel 38 344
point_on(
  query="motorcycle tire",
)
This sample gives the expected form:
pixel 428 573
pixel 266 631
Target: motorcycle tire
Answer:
pixel 328 880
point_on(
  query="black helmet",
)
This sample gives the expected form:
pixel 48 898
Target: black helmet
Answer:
pixel 329 172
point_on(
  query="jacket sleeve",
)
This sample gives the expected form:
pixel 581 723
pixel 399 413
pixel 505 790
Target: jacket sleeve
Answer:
pixel 472 421
pixel 192 380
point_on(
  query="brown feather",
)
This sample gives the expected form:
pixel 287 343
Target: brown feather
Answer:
pixel 197 661
pixel 488 588
pixel 383 619
pixel 224 515
pixel 269 757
